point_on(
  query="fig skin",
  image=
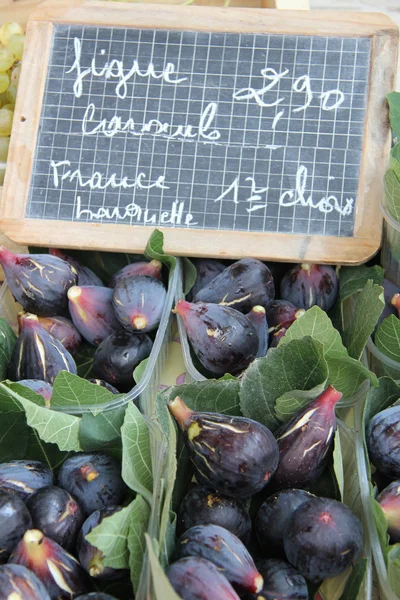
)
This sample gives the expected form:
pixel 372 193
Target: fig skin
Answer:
pixel 96 596
pixel 281 581
pixel 59 571
pixel 234 455
pixel 202 506
pixel 57 514
pixel 24 477
pixel 37 354
pixel 39 282
pixel 305 442
pixel 308 285
pixel 138 302
pixel 118 355
pixel 323 538
pixel 20 583
pixel 94 479
pixel 193 578
pixel 14 521
pixel 39 386
pixel 226 551
pixel 64 331
pixel 244 284
pixel 281 313
pixel 258 317
pixel 92 312
pixel 273 516
pixel 85 276
pixel 150 269
pixel 383 441
pixel 207 269
pixel 223 339
pixel 389 500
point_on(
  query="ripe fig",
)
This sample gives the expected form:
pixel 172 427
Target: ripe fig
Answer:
pixel 395 301
pixel 104 384
pixel 94 480
pixel 305 440
pixel 57 514
pixel 310 285
pixel 242 285
pixel 383 434
pixel 234 455
pixel 281 313
pixel 92 312
pixel 96 596
pixel 40 387
pixel 207 269
pixel 201 506
pixel 389 290
pixel 19 583
pixel 39 282
pixel 226 551
pixel 223 339
pixel 389 500
pixel 14 521
pixel 85 276
pixel 118 355
pixel 195 578
pixel 37 354
pixel 277 336
pixel 273 516
pixel 63 330
pixel 281 581
pixel 323 538
pixel 91 558
pixel 150 269
pixel 138 302
pixel 24 477
pixel 59 571
pixel 259 320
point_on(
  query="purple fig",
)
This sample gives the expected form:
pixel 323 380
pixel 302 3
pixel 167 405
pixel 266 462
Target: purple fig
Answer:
pixel 39 282
pixel 90 557
pixel 19 583
pixel 118 355
pixel 323 538
pixel 14 521
pixel 60 572
pixel 226 551
pixel 281 313
pixel 244 284
pixel 207 269
pixel 258 318
pixel 223 339
pixel 277 336
pixel 311 285
pixel 305 441
pixel 395 301
pixel 24 477
pixel 234 455
pixel 92 312
pixel 273 516
pixel 63 330
pixel 202 506
pixel 389 290
pixel 281 581
pixel 389 500
pixel 382 436
pixel 104 384
pixel 150 269
pixel 37 354
pixel 57 514
pixel 139 302
pixel 94 480
pixel 85 276
pixel 194 578
pixel 40 387
pixel 95 596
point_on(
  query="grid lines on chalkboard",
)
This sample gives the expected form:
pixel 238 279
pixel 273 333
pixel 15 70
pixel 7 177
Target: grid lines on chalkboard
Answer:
pixel 250 178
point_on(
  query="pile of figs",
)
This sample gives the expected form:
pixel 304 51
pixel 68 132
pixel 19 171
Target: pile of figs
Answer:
pixel 65 303
pixel 249 526
pixel 234 316
pixel 44 520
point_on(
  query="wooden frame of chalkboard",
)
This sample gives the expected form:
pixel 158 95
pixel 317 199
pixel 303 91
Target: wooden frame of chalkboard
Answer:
pixel 349 248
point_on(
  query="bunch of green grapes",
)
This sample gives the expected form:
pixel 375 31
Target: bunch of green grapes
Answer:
pixel 11 46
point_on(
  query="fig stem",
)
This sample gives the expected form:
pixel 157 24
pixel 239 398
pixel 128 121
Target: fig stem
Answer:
pixel 181 412
pixel 139 322
pixel 330 396
pixel 74 292
pixel 6 256
pixel 180 307
pixel 258 583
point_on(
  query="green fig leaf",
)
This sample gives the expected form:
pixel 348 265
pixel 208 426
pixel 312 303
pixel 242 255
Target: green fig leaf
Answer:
pixel 138 524
pixel 392 196
pixel 84 360
pixel 71 391
pixel 7 343
pixel 102 432
pixel 154 249
pixel 189 275
pixel 387 337
pixel 136 453
pixel 393 565
pixel 353 280
pixel 110 536
pixel 163 590
pixel 291 402
pixel 385 395
pixel 393 99
pixel 220 396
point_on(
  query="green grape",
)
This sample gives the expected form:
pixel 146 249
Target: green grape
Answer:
pixel 4 144
pixel 6 119
pixel 15 74
pixel 9 29
pixel 6 59
pixel 11 94
pixel 16 45
pixel 4 82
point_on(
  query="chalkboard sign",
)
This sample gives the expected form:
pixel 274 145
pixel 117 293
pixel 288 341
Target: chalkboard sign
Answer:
pixel 219 131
